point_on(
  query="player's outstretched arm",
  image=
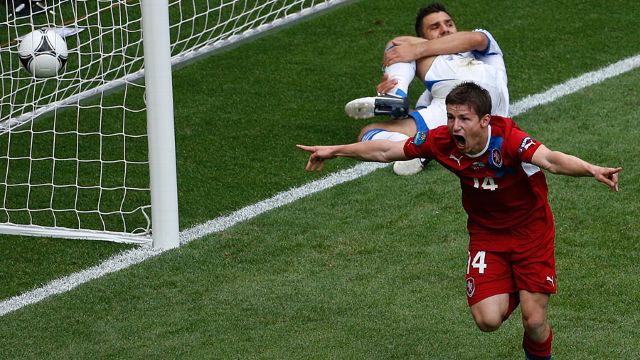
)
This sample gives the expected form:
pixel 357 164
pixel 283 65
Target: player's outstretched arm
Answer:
pixel 560 163
pixel 375 150
pixel 409 48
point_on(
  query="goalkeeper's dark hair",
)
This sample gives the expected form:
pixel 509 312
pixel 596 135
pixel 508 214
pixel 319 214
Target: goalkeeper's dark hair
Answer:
pixel 428 10
pixel 472 95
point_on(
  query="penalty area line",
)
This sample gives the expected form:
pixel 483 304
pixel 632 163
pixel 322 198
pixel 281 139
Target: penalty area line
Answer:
pixel 132 257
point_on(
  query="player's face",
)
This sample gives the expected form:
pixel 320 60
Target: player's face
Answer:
pixel 436 25
pixel 468 130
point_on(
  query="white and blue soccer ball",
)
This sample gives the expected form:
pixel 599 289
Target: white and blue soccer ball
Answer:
pixel 43 53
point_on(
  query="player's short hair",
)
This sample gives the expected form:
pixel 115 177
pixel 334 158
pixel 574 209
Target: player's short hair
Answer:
pixel 428 10
pixel 472 95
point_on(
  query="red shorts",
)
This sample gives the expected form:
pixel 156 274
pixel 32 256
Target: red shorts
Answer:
pixel 491 273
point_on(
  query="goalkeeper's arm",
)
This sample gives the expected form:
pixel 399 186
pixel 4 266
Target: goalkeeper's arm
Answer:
pixel 409 48
pixel 375 150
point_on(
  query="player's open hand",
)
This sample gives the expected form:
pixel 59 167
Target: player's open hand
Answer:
pixel 608 176
pixel 318 155
pixel 405 49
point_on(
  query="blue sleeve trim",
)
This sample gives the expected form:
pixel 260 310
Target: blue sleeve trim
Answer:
pixel 485 51
pixel 421 125
pixel 422 130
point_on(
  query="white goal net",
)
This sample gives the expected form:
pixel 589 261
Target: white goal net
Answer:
pixel 74 147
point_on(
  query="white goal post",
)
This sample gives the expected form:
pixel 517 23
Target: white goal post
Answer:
pixel 160 128
pixel 90 152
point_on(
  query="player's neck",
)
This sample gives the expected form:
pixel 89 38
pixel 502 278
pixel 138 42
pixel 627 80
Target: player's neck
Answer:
pixel 482 145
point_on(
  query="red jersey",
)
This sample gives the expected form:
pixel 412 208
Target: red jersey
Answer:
pixel 505 196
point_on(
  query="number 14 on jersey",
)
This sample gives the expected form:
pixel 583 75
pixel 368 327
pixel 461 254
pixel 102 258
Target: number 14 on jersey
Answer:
pixel 487 184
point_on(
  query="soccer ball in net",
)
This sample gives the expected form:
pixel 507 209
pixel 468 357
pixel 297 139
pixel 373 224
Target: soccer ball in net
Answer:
pixel 43 53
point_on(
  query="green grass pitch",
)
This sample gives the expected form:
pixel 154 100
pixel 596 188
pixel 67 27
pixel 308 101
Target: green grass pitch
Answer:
pixel 371 269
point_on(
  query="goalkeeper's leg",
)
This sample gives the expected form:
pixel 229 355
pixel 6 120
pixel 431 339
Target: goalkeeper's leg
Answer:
pixel 395 130
pixel 390 101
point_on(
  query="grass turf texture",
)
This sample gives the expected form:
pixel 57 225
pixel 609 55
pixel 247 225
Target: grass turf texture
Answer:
pixel 349 272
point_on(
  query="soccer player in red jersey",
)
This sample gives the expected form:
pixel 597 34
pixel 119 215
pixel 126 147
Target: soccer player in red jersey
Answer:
pixel 504 192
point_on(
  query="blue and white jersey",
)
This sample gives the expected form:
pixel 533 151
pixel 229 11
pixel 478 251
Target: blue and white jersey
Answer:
pixel 492 55
pixel 486 68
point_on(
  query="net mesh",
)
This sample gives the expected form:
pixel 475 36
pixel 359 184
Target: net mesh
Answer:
pixel 73 148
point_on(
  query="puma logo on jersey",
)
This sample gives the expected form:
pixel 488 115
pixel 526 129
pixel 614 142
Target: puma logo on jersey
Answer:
pixel 525 144
pixel 457 159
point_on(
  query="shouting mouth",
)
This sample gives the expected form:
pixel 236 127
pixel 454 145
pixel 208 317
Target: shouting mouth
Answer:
pixel 460 141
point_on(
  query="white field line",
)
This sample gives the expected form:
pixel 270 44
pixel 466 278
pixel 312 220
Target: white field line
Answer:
pixel 138 255
pixel 134 256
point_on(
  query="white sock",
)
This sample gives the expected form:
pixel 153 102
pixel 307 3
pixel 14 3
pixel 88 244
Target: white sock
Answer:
pixel 404 74
pixel 380 134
